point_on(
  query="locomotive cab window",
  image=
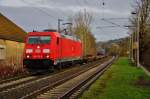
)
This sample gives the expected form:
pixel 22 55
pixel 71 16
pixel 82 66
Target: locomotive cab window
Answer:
pixel 39 39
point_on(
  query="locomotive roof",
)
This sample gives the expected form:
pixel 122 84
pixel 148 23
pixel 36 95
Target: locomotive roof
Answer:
pixel 72 37
pixel 44 33
pixel 10 31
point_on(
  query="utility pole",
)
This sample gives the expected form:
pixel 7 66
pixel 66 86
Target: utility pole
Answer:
pixel 132 41
pixel 132 48
pixel 138 39
pixel 60 42
pixel 130 45
pixel 59 29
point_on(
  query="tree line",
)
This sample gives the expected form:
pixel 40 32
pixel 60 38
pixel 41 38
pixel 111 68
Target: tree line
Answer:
pixel 140 26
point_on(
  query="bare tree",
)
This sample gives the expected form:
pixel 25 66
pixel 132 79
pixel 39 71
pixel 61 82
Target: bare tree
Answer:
pixel 142 16
pixel 82 29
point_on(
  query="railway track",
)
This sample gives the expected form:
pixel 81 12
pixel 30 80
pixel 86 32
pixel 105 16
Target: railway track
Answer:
pixel 18 88
pixel 9 79
pixel 72 88
pixel 11 83
pixel 29 86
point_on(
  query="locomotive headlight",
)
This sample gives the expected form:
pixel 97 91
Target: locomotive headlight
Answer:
pixel 46 50
pixel 28 56
pixel 29 50
pixel 47 56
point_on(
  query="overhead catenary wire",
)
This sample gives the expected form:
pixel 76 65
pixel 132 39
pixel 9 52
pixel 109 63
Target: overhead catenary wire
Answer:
pixel 40 9
pixel 101 27
pixel 117 18
pixel 80 3
pixel 109 20
pixel 113 21
pixel 114 25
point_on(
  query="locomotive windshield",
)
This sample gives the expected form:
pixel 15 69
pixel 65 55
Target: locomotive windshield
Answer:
pixel 39 39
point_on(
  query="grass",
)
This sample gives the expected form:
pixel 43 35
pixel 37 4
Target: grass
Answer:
pixel 119 82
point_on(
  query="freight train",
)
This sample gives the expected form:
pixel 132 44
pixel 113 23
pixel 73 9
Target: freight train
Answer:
pixel 48 49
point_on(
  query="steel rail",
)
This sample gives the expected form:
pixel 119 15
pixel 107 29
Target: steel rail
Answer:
pixel 59 91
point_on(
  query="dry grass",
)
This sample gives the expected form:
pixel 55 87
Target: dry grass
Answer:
pixel 8 70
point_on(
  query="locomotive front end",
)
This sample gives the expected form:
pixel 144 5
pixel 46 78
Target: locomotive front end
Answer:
pixel 37 52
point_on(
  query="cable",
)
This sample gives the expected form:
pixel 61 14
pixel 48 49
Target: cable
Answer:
pixel 40 9
pixel 113 23
pixel 116 18
pixel 101 27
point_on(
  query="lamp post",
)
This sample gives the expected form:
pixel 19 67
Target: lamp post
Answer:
pixel 137 37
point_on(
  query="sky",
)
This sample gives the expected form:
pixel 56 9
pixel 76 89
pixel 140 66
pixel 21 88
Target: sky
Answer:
pixel 107 24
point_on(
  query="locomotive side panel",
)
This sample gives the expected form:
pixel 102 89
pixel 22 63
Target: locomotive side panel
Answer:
pixel 70 50
pixel 66 49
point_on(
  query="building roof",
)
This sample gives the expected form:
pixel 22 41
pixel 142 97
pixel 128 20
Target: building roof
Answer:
pixel 10 31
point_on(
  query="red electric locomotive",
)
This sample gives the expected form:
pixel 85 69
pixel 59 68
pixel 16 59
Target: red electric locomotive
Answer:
pixel 44 50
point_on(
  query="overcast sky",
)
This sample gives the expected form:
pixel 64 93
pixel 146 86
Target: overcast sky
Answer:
pixel 42 14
